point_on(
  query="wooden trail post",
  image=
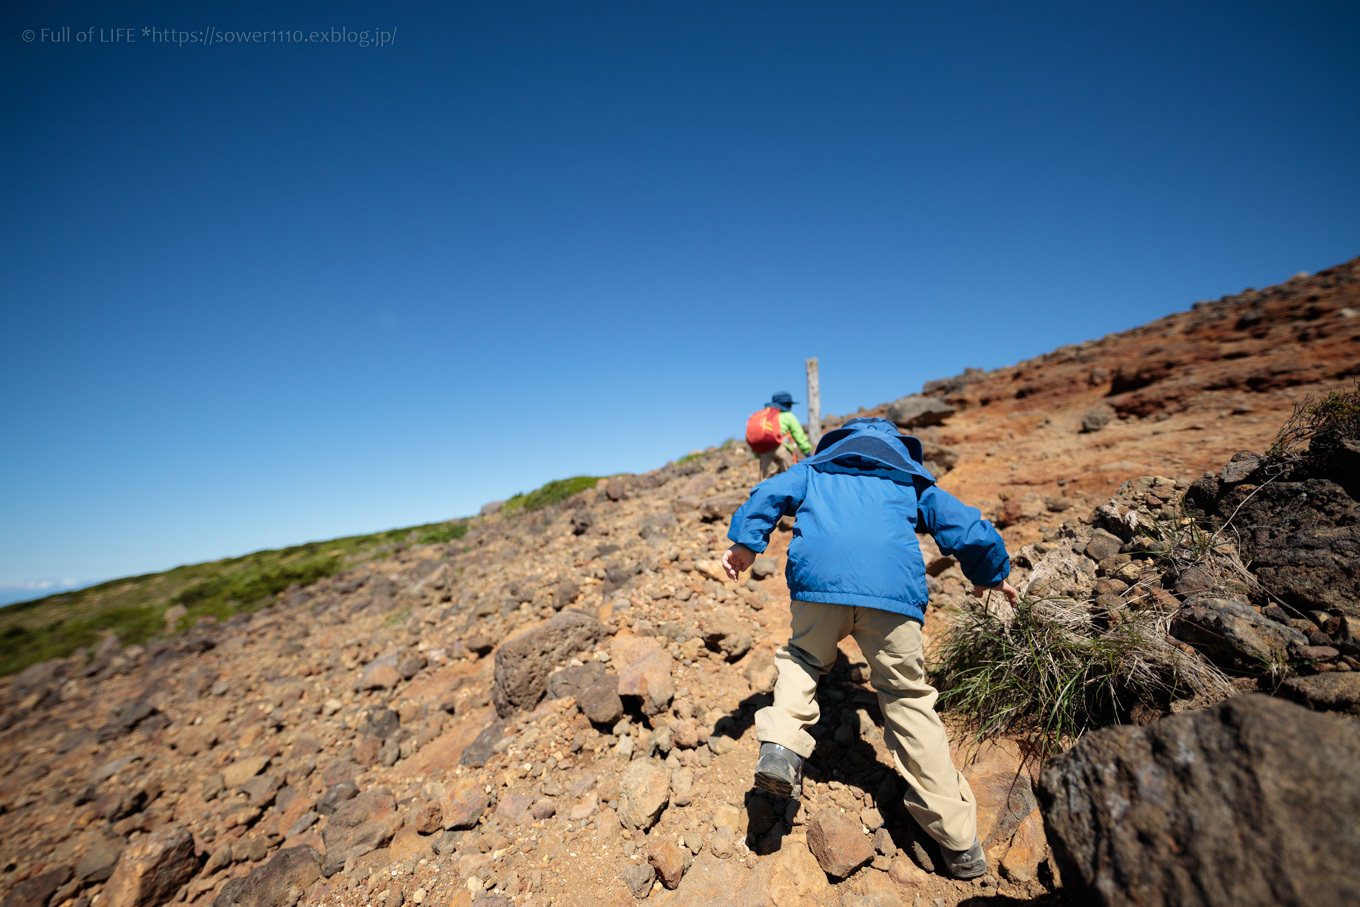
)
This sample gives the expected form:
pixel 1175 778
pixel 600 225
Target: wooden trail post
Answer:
pixel 814 404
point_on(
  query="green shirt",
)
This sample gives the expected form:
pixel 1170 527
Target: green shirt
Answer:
pixel 789 425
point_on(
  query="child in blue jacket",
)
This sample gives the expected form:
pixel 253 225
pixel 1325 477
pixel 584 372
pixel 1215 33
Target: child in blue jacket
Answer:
pixel 855 569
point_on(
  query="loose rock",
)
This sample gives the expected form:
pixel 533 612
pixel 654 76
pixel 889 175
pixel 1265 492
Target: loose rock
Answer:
pixel 524 663
pixel 668 860
pixel 838 844
pixel 152 869
pixel 362 825
pixel 644 792
pixel 1207 808
pixel 279 883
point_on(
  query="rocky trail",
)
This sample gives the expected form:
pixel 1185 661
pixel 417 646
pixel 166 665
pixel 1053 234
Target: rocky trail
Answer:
pixel 557 709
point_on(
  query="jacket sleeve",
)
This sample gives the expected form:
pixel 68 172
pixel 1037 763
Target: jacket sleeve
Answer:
pixel 789 422
pixel 775 497
pixel 961 531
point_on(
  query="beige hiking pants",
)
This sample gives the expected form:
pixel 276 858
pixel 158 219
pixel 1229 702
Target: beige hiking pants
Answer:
pixel 776 461
pixel 938 796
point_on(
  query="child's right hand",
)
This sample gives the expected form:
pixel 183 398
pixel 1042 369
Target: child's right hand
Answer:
pixel 737 559
pixel 1006 589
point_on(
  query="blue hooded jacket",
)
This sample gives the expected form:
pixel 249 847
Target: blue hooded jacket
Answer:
pixel 860 500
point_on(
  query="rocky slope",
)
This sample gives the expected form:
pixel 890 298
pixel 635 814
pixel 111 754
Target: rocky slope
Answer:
pixel 1175 397
pixel 557 708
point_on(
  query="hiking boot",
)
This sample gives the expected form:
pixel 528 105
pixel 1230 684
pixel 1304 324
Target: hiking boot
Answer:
pixel 780 771
pixel 965 864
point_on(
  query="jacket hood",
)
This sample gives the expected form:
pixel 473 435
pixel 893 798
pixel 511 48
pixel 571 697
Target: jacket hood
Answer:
pixel 876 441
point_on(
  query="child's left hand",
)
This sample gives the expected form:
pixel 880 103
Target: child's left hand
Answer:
pixel 737 559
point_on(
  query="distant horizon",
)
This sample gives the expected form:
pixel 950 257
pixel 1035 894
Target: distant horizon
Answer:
pixel 7 592
pixel 19 593
pixel 60 586
pixel 64 586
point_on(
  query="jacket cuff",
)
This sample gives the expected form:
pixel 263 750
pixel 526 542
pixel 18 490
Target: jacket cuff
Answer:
pixel 755 543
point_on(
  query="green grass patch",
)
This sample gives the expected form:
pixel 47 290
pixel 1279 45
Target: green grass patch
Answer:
pixel 134 607
pixel 250 586
pixel 441 533
pixel 554 492
pixel 22 646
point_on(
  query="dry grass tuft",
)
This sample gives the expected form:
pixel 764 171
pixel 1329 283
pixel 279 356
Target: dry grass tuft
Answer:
pixel 1060 668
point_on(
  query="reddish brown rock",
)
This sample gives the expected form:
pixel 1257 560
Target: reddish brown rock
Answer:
pixel 792 877
pixel 838 844
pixel 876 889
pixel 463 812
pixel 242 770
pixel 906 873
pixel 516 808
pixel 685 734
pixel 366 753
pixel 668 860
pixel 725 633
pixel 649 678
pixel 408 844
pixel 378 677
pixel 1027 850
pixel 152 869
pixel 1005 798
pixel 425 818
pixel 711 881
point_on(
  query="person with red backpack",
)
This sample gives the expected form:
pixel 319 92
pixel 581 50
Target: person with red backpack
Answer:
pixel 776 435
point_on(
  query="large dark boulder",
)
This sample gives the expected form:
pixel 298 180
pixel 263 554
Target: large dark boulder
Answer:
pixel 916 411
pixel 152 868
pixel 359 826
pixel 279 883
pixel 1333 692
pixel 37 890
pixel 483 746
pixel 1301 537
pixel 571 680
pixel 1233 636
pixel 1252 802
pixel 524 663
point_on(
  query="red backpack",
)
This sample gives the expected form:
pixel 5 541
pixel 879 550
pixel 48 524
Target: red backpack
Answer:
pixel 763 432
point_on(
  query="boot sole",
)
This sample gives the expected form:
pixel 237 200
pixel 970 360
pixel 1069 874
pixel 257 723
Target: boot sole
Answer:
pixel 776 785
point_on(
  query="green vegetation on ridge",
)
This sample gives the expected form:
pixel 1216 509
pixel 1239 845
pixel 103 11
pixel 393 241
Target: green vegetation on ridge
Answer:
pixel 134 607
pixel 552 493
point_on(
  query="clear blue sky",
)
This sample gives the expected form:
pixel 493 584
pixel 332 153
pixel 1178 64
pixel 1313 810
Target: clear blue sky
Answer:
pixel 254 295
